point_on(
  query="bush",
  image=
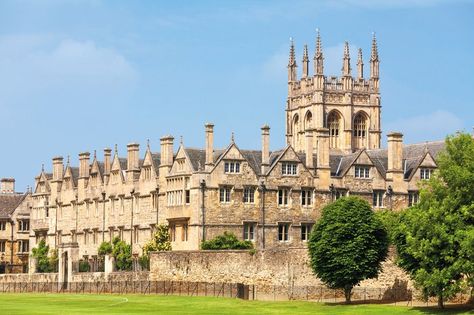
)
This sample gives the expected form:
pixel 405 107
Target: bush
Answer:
pixel 105 249
pixel 144 262
pixel 122 253
pixel 226 241
pixel 159 242
pixel 44 262
pixel 84 266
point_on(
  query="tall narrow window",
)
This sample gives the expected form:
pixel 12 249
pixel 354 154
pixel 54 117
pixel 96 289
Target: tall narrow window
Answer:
pixel 283 196
pixel 224 194
pixel 360 131
pixel 306 197
pixel 283 232
pixel 188 196
pixel 378 198
pixel 2 246
pixel 184 233
pixel 173 232
pixel 334 127
pixel 305 231
pixel 249 231
pixel 413 197
pixel 249 195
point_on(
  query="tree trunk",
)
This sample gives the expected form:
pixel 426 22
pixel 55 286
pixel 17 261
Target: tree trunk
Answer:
pixel 440 301
pixel 347 293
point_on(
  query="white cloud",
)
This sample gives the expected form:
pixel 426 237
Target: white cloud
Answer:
pixel 38 64
pixel 432 126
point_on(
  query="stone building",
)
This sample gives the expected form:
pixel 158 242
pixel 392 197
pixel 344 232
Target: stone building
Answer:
pixel 14 227
pixel 272 198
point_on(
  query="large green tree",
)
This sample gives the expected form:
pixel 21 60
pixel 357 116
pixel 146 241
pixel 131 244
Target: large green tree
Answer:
pixel 348 244
pixel 435 239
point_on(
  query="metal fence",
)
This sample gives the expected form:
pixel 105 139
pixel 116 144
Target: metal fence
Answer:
pixel 230 290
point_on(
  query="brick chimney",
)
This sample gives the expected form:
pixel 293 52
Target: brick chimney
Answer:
pixel 166 143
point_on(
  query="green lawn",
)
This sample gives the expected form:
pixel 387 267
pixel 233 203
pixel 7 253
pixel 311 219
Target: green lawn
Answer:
pixel 156 304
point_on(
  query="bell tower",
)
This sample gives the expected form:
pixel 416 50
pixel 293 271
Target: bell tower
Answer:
pixel 348 106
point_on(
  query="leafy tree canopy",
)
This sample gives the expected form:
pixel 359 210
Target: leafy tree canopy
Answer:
pixel 348 244
pixel 45 261
pixel 435 239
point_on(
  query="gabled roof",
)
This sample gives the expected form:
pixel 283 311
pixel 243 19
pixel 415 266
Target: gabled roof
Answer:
pixel 8 204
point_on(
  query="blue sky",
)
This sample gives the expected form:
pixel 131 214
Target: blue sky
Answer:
pixel 81 75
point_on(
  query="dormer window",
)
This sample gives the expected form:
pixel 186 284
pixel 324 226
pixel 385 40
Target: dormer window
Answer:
pixel 232 167
pixel 289 168
pixel 425 173
pixel 362 171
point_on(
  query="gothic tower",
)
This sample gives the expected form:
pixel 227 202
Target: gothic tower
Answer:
pixel 348 106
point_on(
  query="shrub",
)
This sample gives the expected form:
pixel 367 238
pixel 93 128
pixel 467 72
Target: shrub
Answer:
pixel 159 242
pixel 45 263
pixel 84 266
pixel 226 241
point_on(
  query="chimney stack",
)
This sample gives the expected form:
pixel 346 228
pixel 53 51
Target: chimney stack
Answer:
pixel 323 168
pixel 7 186
pixel 395 159
pixel 166 151
pixel 209 145
pixel 132 156
pixel 309 148
pixel 107 160
pixel 58 168
pixel 265 148
pixel 84 164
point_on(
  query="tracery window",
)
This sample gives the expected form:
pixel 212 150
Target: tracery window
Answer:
pixel 334 123
pixel 360 131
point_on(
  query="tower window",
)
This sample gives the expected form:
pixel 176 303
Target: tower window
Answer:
pixel 334 126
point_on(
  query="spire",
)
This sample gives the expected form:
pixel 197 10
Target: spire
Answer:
pixel 292 63
pixel 346 61
pixel 116 149
pixel 305 61
pixel 374 63
pixel 318 56
pixel 374 54
pixel 360 65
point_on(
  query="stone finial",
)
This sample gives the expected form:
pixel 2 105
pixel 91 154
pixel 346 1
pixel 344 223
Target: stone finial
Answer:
pixel 116 149
pixel 148 144
pixel 374 55
pixel 292 58
pixel 360 65
pixel 346 49
pixel 319 49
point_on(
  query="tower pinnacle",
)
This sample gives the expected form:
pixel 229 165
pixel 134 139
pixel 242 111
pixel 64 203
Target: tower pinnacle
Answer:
pixel 374 63
pixel 360 65
pixel 318 56
pixel 346 61
pixel 305 62
pixel 292 63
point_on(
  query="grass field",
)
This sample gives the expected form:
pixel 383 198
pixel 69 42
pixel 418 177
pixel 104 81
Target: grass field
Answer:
pixel 155 304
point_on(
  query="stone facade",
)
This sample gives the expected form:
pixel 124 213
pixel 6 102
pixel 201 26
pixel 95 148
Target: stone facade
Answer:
pixel 14 227
pixel 272 198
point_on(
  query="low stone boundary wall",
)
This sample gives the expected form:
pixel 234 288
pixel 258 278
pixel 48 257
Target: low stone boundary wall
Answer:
pixel 281 267
pixel 25 277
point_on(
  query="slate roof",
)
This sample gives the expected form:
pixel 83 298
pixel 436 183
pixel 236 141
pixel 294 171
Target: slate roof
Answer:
pixel 8 204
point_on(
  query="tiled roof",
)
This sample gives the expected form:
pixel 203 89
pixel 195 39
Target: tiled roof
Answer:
pixel 9 202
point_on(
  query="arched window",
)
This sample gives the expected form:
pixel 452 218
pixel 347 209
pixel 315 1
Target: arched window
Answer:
pixel 296 131
pixel 334 126
pixel 360 131
pixel 308 121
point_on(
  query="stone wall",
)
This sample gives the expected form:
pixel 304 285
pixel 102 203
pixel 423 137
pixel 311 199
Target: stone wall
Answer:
pixel 25 277
pixel 287 267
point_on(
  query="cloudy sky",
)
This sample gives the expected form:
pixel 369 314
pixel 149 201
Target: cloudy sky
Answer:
pixel 81 75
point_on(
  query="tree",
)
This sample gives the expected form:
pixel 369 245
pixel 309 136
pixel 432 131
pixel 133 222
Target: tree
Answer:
pixel 44 261
pixel 435 239
pixel 159 242
pixel 226 241
pixel 347 245
pixel 122 253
